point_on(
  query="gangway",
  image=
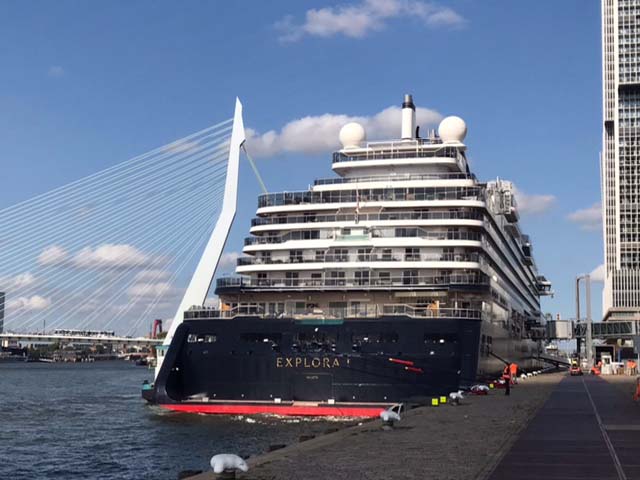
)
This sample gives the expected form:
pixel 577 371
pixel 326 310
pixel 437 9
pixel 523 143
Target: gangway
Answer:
pixel 605 330
pixel 552 359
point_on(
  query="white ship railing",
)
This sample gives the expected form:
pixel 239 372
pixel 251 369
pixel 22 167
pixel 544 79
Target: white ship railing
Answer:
pixel 369 217
pixel 409 232
pixel 353 282
pixel 400 177
pixel 371 195
pixel 362 257
pixel 362 311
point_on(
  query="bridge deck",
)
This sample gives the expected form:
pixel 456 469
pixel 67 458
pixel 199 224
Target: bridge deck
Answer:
pixel 589 428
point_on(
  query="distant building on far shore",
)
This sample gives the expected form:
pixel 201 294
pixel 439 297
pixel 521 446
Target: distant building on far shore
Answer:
pixel 620 161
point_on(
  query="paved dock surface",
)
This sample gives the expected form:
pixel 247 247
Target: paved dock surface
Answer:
pixel 589 428
pixel 443 443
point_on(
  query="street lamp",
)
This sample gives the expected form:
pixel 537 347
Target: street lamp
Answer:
pixel 588 337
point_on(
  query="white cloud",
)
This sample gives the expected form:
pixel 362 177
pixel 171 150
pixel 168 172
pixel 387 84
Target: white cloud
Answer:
pixel 152 275
pixel 356 20
pixel 588 218
pixel 53 255
pixel 318 134
pixel 56 71
pixel 533 204
pixel 149 289
pixel 111 256
pixel 31 304
pixel 228 261
pixel 598 274
pixel 22 280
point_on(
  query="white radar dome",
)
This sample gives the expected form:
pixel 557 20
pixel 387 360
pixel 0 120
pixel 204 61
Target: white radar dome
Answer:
pixel 452 130
pixel 352 135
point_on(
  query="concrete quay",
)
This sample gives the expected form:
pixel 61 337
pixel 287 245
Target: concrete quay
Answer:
pixel 479 439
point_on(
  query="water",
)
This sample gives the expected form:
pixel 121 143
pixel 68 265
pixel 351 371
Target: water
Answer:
pixel 88 421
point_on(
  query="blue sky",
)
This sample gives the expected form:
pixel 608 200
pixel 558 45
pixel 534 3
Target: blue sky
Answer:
pixel 85 85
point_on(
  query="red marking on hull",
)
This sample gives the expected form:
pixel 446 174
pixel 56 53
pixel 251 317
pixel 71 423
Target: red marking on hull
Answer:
pixel 289 410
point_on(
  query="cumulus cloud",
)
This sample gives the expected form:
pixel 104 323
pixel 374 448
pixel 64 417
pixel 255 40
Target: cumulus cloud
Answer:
pixel 533 204
pixel 111 256
pixel 588 218
pixel 143 289
pixel 56 71
pixel 598 274
pixel 22 280
pixel 228 261
pixel 318 134
pixel 30 304
pixel 104 256
pixel 53 255
pixel 357 20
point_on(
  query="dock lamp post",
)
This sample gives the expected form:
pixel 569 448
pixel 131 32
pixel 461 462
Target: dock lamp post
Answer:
pixel 588 338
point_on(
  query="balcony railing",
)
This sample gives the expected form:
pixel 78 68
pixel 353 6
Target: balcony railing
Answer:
pixel 407 233
pixel 396 178
pixel 353 282
pixel 361 311
pixel 377 257
pixel 370 217
pixel 397 153
pixel 370 195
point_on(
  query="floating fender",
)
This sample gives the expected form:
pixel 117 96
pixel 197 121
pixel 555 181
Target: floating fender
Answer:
pixel 228 461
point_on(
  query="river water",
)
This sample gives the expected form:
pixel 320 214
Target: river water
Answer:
pixel 88 421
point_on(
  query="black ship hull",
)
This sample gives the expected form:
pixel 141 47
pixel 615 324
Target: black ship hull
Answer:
pixel 355 367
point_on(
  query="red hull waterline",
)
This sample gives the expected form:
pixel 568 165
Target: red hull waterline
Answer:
pixel 285 410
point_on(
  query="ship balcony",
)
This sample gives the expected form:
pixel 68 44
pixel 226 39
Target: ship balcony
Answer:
pixel 396 178
pixel 355 257
pixel 309 197
pixel 470 281
pixel 368 217
pixel 361 311
pixel 406 233
pixel 400 153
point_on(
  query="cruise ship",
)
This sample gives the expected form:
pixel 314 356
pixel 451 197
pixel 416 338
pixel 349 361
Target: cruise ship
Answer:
pixel 399 278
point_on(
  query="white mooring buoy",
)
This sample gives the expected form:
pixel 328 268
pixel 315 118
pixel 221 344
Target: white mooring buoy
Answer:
pixel 227 464
pixel 456 397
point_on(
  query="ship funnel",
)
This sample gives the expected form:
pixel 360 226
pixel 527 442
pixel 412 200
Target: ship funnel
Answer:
pixel 408 118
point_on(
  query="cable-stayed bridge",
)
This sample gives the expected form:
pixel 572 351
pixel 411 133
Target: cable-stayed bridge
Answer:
pixel 118 248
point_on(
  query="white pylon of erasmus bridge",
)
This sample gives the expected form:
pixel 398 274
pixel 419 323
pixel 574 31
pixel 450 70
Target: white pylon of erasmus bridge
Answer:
pixel 114 250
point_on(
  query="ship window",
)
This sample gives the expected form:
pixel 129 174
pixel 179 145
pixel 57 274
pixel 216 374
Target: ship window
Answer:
pixel 377 337
pixel 436 339
pixel 385 278
pixel 251 337
pixel 315 341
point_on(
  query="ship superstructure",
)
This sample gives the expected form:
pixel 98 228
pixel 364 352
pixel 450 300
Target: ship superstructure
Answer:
pixel 401 276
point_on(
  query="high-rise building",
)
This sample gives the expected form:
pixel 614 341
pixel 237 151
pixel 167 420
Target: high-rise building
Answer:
pixel 620 161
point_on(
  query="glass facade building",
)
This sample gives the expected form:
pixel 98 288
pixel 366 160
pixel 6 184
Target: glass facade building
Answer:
pixel 620 161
